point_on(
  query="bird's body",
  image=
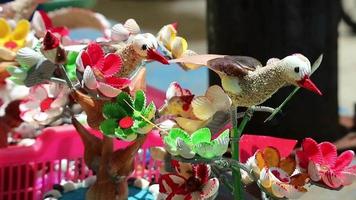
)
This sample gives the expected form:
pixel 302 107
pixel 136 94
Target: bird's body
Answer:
pixel 130 58
pixel 248 83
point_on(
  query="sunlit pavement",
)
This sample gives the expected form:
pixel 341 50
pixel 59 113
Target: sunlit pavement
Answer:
pixel 190 14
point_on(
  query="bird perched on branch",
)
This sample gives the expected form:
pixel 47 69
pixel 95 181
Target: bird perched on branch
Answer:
pixel 248 83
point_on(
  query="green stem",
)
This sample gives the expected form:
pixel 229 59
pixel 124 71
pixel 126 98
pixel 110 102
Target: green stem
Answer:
pixel 65 76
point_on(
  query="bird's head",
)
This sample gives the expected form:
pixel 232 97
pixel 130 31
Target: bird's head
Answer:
pixel 146 45
pixel 297 69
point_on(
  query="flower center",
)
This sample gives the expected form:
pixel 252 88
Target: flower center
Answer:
pixel 46 104
pixel 193 184
pixel 10 45
pixel 278 175
pixel 126 122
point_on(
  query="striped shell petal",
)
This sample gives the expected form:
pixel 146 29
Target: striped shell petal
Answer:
pixel 288 191
pixel 265 178
pixel 331 179
pixel 28 57
pixel 119 33
pixel 5 29
pixel 189 125
pixel 89 79
pixel 313 171
pixel 184 150
pixel 132 26
pixel 210 188
pixel 203 108
pixel 178 46
pixel 220 100
pixel 221 143
pixel 108 90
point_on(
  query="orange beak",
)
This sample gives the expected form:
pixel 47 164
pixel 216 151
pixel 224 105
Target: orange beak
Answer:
pixel 152 54
pixel 309 85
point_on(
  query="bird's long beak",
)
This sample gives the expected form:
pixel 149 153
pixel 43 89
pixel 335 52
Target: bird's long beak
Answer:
pixel 309 85
pixel 153 54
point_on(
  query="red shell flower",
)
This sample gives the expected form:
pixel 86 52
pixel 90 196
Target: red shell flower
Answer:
pixel 322 163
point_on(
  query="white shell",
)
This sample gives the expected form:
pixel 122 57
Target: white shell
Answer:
pixel 6 54
pixel 28 57
pixel 89 79
pixel 184 150
pixel 203 108
pixel 108 90
pixel 38 25
pixel 119 33
pixel 132 26
pixel 178 46
pixel 189 125
pixel 220 100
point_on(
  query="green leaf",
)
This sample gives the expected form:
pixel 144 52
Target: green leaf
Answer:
pixel 205 150
pixel 114 110
pixel 108 127
pixel 150 111
pixel 125 101
pixel 140 100
pixel 126 135
pixel 201 135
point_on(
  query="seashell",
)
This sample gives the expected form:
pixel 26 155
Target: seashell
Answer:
pixel 108 90
pixel 166 35
pixel 203 108
pixel 38 24
pixel 89 79
pixel 21 30
pixel 175 90
pixel 219 99
pixel 132 26
pixel 5 28
pixel 6 54
pixel 119 33
pixel 178 46
pixel 190 66
pixel 184 150
pixel 221 143
pixel 28 57
pixel 189 125
pixel 210 189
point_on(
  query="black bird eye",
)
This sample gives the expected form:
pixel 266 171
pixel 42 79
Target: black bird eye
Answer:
pixel 296 69
pixel 144 47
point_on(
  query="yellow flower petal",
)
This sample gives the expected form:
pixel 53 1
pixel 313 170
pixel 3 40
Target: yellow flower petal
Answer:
pixel 178 45
pixel 5 29
pixel 271 156
pixel 21 30
pixel 288 165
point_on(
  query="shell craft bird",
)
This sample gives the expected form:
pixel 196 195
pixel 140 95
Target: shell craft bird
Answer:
pixel 248 83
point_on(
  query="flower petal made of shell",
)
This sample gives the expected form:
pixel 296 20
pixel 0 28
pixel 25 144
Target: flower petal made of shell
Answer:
pixel 205 150
pixel 184 150
pixel 21 30
pixel 271 156
pixel 5 29
pixel 166 35
pixel 189 125
pixel 210 188
pixel 299 180
pixel 112 65
pixel 278 175
pixel 132 26
pixel 331 179
pixel 7 54
pixel 117 82
pixel 288 191
pixel 28 57
pixel 38 23
pixel 145 129
pixel 59 102
pixel 221 143
pixel 260 161
pixel 265 178
pixel 27 116
pixel 175 89
pixel 190 66
pixel 347 178
pixel 79 61
pixel 89 79
pixel 29 105
pixel 311 149
pixel 108 90
pixel 119 33
pixel 329 152
pixel 288 165
pixel 220 100
pixel 44 118
pixel 279 189
pixel 343 160
pixel 201 135
pixel 96 54
pixel 38 93
pixel 170 182
pixel 203 108
pixel 178 46
pixel 17 72
pixel 313 171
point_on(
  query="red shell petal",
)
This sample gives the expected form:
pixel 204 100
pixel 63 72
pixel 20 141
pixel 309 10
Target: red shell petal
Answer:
pixel 302 159
pixel 343 160
pixel 112 65
pixel 50 41
pixel 311 149
pixel 329 153
pixel 96 54
pixel 61 30
pixel 46 104
pixel 117 82
pixel 126 122
pixel 86 60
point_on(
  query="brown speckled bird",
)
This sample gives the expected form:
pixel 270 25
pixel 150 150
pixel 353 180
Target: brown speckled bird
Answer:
pixel 248 83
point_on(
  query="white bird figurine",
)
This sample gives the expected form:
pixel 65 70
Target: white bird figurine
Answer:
pixel 248 83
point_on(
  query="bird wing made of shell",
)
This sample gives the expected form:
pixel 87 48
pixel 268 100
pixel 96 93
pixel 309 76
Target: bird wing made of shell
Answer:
pixel 234 65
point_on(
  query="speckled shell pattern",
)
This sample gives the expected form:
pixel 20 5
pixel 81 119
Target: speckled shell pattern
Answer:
pixel 258 86
pixel 131 60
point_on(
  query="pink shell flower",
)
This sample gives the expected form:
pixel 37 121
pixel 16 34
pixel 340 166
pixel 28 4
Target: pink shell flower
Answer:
pixel 196 187
pixel 322 163
pixel 44 103
pixel 99 70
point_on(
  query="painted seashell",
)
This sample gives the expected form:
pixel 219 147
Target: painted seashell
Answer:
pixel 119 33
pixel 28 57
pixel 6 54
pixel 178 46
pixel 166 35
pixel 184 149
pixel 175 90
pixel 189 125
pixel 132 26
pixel 203 108
pixel 89 79
pixel 219 98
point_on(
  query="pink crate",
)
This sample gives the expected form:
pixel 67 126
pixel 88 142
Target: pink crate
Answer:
pixel 27 172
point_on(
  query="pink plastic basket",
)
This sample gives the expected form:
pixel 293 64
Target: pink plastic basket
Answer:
pixel 27 172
